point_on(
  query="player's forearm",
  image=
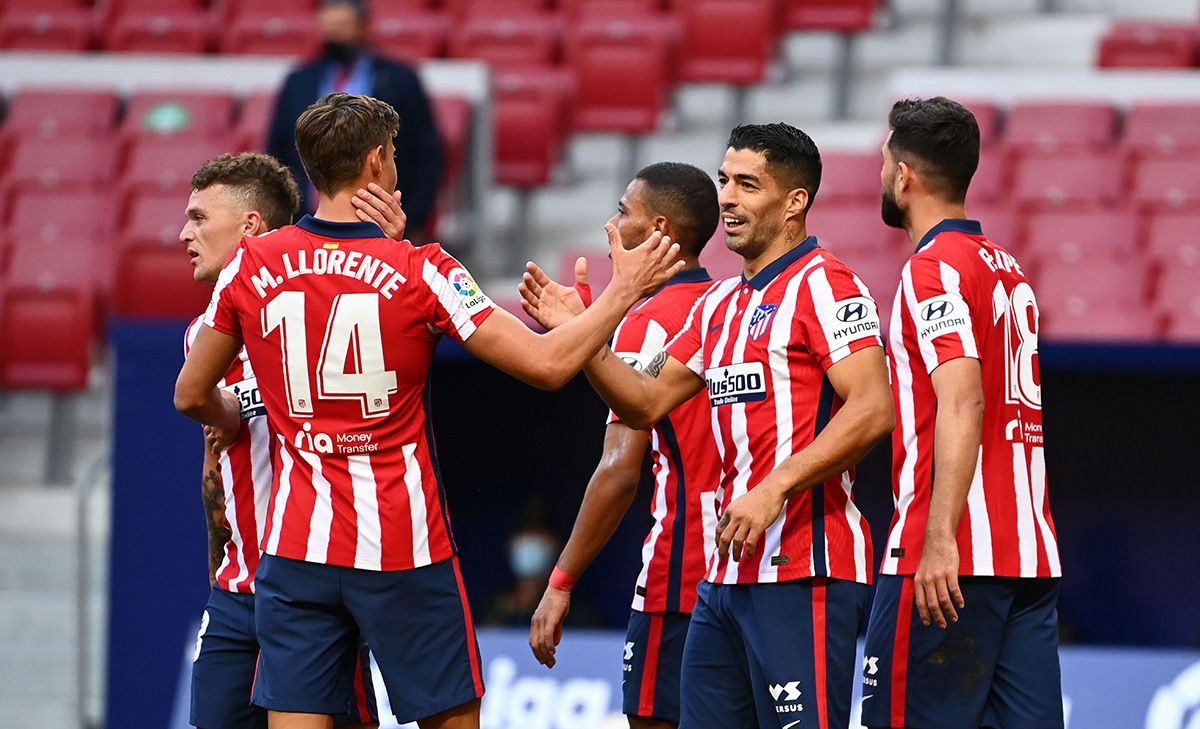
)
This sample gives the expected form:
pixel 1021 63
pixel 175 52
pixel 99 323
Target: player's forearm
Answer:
pixel 208 407
pixel 564 351
pixel 956 438
pixel 212 492
pixel 608 497
pixel 630 393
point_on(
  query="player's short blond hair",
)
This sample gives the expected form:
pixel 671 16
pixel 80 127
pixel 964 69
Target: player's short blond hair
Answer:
pixel 260 181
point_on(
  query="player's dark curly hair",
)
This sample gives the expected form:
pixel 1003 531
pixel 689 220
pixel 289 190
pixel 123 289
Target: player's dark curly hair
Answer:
pixel 260 180
pixel 792 157
pixel 939 138
pixel 334 135
pixel 685 195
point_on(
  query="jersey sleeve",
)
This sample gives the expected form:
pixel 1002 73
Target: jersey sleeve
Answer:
pixel 455 304
pixel 933 298
pixel 222 313
pixel 687 345
pixel 837 314
pixel 637 340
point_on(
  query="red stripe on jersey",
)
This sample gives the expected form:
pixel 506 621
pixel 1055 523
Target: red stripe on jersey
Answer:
pixel 763 346
pixel 650 666
pixel 472 648
pixel 963 296
pixel 819 648
pixel 342 331
pixel 900 651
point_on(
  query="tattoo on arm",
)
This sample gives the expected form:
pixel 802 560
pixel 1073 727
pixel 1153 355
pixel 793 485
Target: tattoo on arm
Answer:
pixel 655 367
pixel 213 493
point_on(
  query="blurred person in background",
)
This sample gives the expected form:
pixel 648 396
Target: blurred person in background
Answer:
pixel 531 552
pixel 681 201
pixel 234 196
pixel 347 63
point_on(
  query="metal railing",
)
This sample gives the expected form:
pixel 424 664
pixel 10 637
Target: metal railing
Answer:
pixel 85 485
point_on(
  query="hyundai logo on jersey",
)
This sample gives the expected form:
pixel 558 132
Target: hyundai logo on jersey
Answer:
pixel 937 310
pixel 761 319
pixel 853 311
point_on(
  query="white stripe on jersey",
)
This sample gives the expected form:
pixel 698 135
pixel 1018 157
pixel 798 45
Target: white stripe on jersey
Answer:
pixel 781 381
pixel 1037 476
pixel 260 473
pixel 368 552
pixel 416 505
pixel 709 312
pixel 823 299
pixel 951 281
pixel 1026 540
pixel 854 520
pixel 659 513
pixel 710 300
pixel 226 276
pixel 322 514
pixel 450 301
pixel 281 497
pixel 907 422
pixel 982 561
pixel 928 352
pixel 235 533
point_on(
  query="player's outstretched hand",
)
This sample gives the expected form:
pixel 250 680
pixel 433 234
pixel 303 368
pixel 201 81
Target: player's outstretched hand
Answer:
pixel 545 628
pixel 374 205
pixel 746 519
pixel 936 582
pixel 550 303
pixel 643 270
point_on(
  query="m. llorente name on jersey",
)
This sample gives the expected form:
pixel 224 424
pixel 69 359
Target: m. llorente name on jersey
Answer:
pixel 372 271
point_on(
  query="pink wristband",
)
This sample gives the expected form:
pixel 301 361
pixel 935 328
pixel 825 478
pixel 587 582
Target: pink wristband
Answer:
pixel 560 580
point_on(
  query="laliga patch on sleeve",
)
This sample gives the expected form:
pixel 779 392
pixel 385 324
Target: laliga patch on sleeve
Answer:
pixel 849 320
pixel 465 287
pixel 942 314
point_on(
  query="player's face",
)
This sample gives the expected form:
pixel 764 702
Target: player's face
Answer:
pixel 753 203
pixel 891 212
pixel 215 225
pixel 632 219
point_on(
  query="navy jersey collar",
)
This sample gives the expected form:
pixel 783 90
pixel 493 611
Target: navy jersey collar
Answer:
pixel 951 225
pixel 776 267
pixel 330 229
pixel 690 275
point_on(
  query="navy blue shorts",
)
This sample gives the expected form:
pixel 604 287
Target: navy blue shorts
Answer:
pixel 996 667
pixel 772 655
pixel 224 663
pixel 416 622
pixel 653 657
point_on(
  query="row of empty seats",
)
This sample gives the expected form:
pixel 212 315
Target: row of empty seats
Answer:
pixel 1150 45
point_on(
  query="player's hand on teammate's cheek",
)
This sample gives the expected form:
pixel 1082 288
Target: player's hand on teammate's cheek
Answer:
pixel 375 205
pixel 545 628
pixel 642 270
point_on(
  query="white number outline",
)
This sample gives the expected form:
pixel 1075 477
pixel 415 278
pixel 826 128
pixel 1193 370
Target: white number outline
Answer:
pixel 1020 312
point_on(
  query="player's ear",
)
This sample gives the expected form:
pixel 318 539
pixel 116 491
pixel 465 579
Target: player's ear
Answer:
pixel 253 223
pixel 797 202
pixel 375 161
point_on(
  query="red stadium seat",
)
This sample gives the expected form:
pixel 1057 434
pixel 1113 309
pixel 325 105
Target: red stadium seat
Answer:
pixel 1061 238
pixel 854 229
pixel 527 138
pixel 1050 126
pixel 1149 45
pixel 452 114
pixel 168 164
pixel 45 5
pixel 1173 239
pixel 164 113
pixel 383 8
pixel 1167 184
pixel 48 112
pixel 1093 320
pixel 508 42
pixel 118 7
pixel 605 57
pixel 149 31
pixel 254 120
pixel 47 339
pixel 153 219
pixel 495 8
pixel 63 263
pixel 718 259
pixel 41 218
pixel 289 33
pixel 157 282
pixel 844 16
pixel 411 37
pixel 850 177
pixel 227 10
pixel 728 41
pixel 990 181
pixel 1090 285
pixel 610 9
pixel 1178 301
pixel 1067 179
pixel 41 29
pixel 69 164
pixel 557 83
pixel 987 115
pixel 999 224
pixel 599 266
pixel 1162 129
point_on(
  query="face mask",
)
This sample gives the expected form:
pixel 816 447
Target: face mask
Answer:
pixel 342 53
pixel 531 555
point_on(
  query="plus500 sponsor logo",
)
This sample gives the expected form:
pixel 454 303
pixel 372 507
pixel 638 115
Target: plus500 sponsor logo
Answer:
pixel 513 701
pixel 742 382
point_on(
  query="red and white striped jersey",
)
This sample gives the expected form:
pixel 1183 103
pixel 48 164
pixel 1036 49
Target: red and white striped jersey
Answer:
pixel 245 474
pixel 686 468
pixel 341 323
pixel 961 295
pixel 763 347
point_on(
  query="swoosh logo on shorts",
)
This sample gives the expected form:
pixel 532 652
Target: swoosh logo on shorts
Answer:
pixel 794 723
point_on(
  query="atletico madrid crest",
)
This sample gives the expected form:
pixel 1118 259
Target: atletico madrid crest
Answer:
pixel 761 319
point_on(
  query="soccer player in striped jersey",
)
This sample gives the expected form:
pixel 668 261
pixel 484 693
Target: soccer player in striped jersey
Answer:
pixel 340 324
pixel 681 201
pixel 798 393
pixel 972 544
pixel 234 196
